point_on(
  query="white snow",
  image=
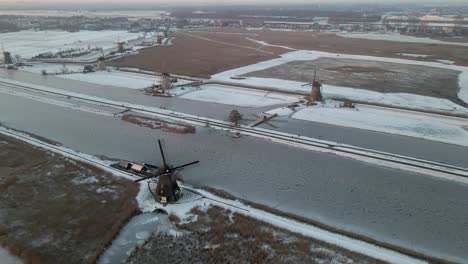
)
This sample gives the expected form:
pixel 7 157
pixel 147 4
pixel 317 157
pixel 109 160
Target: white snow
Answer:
pixel 413 55
pixel 297 227
pixel 366 155
pixel 115 78
pixel 283 111
pixel 399 99
pixel 237 96
pixel 399 38
pixel 263 43
pixel 30 43
pixel 427 126
pixel 51 68
pixel 446 61
pixel 7 258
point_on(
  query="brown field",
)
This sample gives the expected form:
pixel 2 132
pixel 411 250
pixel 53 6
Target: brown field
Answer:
pixel 55 210
pixel 450 39
pixel 203 53
pixel 324 226
pixel 376 76
pixel 220 236
pixel 200 54
pixel 329 42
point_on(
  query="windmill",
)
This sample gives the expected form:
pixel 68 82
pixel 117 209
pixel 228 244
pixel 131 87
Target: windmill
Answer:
pixel 167 189
pixel 120 46
pixel 101 62
pixel 166 80
pixel 316 92
pixel 7 58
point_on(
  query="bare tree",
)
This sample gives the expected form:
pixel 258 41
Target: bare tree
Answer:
pixel 17 58
pixel 235 117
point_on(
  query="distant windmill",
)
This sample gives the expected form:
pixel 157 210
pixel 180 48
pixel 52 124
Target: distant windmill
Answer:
pixel 316 92
pixel 101 62
pixel 166 82
pixel 7 58
pixel 120 46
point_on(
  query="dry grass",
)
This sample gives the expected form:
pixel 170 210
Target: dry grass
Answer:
pixel 333 229
pixel 329 42
pixel 259 242
pixel 383 77
pixel 57 210
pixel 193 56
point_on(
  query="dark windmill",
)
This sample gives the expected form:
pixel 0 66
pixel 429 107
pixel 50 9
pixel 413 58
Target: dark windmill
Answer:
pixel 316 92
pixel 167 189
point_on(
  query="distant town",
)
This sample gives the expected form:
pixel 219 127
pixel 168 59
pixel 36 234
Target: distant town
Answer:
pixel 431 22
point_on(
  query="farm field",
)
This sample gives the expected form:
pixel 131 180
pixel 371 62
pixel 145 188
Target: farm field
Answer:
pixel 69 211
pixel 29 43
pixel 199 54
pixel 384 77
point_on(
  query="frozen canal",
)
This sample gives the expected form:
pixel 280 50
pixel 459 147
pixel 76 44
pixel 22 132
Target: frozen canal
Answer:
pixel 135 233
pixel 424 149
pixel 415 211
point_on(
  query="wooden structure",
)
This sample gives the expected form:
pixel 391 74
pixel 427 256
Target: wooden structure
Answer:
pixel 167 189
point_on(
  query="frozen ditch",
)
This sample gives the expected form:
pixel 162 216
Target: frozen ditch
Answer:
pixel 7 258
pixel 134 234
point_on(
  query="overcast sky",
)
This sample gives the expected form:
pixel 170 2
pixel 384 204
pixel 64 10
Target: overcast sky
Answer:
pixel 135 3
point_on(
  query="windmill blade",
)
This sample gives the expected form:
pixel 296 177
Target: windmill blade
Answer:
pixel 149 177
pixel 162 154
pixel 185 165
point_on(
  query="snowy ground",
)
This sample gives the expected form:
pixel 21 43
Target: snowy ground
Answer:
pixel 399 38
pixel 239 97
pixel 30 43
pixel 205 199
pixel 7 258
pixel 52 68
pixel 115 78
pixel 397 99
pixel 412 55
pixel 427 126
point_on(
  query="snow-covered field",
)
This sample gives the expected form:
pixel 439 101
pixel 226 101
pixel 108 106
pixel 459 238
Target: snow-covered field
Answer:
pixel 7 258
pixel 239 97
pixel 29 43
pixel 398 99
pixel 399 38
pixel 427 126
pixel 115 78
pixel 52 68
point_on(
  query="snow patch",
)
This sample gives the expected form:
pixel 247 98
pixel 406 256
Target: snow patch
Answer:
pixel 239 97
pixel 449 62
pixel 115 78
pixel 430 127
pixel 398 99
pixel 29 43
pixel 412 55
pixel 87 180
pixel 398 38
pixel 7 258
pixel 283 111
